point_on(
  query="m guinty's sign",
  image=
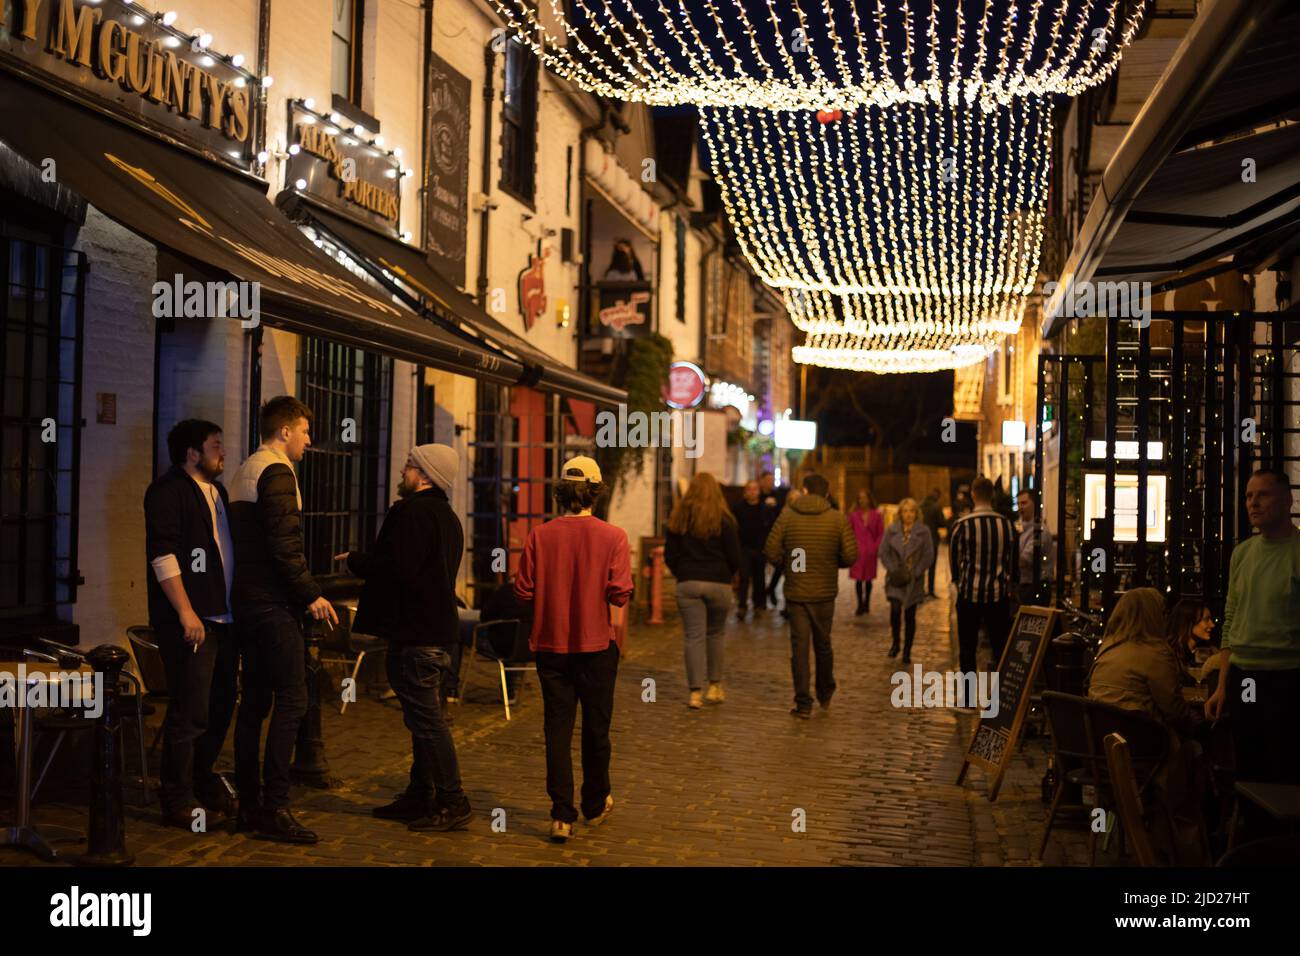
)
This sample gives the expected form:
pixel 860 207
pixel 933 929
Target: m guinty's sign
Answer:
pixel 116 52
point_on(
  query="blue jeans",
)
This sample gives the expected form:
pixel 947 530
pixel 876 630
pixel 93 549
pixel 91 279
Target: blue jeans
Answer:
pixel 416 675
pixel 275 671
pixel 703 606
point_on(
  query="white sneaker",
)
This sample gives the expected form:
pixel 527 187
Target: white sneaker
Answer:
pixel 715 693
pixel 560 831
pixel 604 814
pixel 696 701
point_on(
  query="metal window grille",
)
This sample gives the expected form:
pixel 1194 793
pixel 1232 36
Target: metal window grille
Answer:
pixel 345 473
pixel 42 290
pixel 518 443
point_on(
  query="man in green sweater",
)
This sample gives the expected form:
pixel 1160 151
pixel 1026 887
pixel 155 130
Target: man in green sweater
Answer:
pixel 1259 680
pixel 811 540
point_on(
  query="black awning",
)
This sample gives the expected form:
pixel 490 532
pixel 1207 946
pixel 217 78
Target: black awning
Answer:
pixel 407 263
pixel 224 221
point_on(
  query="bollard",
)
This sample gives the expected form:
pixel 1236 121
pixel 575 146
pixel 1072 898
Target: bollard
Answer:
pixel 107 842
pixel 309 767
pixel 656 586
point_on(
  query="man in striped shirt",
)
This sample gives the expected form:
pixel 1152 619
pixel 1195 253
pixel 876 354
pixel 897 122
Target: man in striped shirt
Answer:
pixel 982 551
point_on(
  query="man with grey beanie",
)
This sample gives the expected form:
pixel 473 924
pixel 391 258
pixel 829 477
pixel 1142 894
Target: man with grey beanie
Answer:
pixel 409 598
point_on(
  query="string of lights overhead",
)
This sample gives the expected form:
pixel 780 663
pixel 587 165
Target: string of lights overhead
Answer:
pixel 913 200
pixel 886 356
pixel 825 54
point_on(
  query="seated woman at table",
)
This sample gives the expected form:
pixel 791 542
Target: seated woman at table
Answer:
pixel 1136 669
pixel 1190 633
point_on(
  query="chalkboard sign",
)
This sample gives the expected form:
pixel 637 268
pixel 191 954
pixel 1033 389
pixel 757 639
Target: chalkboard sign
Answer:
pixel 996 736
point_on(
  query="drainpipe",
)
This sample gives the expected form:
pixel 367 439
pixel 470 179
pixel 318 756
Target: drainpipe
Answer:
pixel 485 184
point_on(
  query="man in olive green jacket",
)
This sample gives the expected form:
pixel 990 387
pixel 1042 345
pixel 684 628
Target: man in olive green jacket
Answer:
pixel 812 540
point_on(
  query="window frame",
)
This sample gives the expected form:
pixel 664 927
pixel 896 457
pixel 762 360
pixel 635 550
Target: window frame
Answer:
pixel 517 166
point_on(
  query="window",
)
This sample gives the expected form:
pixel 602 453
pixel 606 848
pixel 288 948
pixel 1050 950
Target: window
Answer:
pixel 426 408
pixel 344 475
pixel 41 312
pixel 519 122
pixel 345 50
pixel 681 270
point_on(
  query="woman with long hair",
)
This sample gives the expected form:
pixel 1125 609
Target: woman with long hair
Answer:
pixel 1136 669
pixel 869 529
pixel 907 553
pixel 703 552
pixel 1190 632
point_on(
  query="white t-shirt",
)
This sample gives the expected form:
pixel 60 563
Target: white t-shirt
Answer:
pixel 166 565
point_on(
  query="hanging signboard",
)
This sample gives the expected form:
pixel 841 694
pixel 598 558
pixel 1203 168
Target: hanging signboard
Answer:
pixel 686 385
pixel 114 55
pixel 996 736
pixel 446 182
pixel 336 166
pixel 621 309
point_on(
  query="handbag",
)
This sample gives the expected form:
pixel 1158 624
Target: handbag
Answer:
pixel 899 577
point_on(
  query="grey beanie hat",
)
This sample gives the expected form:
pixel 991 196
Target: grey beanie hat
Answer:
pixel 439 462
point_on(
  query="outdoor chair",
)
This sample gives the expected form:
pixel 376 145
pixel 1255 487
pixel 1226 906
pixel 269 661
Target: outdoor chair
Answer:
pixel 1079 727
pixel 519 659
pixel 1128 800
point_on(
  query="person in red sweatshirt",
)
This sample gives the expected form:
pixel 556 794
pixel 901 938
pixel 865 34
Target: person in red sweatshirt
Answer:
pixel 574 571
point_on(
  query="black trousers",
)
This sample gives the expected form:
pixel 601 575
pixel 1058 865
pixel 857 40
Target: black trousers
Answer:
pixel 753 580
pixel 810 623
pixel 415 674
pixel 202 687
pixel 902 619
pixel 1265 731
pixel 934 565
pixel 996 618
pixel 275 674
pixel 568 680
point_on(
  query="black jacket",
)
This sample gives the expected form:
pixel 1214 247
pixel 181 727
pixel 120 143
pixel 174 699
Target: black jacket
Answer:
pixel 704 559
pixel 754 521
pixel 266 523
pixel 410 592
pixel 176 521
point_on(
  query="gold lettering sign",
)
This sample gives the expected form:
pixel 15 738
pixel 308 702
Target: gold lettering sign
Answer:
pixel 370 196
pixel 83 35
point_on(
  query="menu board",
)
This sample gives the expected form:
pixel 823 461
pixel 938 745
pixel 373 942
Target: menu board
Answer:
pixel 996 736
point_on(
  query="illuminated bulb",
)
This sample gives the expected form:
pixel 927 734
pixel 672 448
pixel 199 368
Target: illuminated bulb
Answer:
pixel 309 103
pixel 300 184
pixel 267 81
pixel 336 119
pixel 359 130
pixel 379 141
pixel 169 18
pixel 397 151
pixel 263 156
pixel 237 60
pixel 295 149
pixel 205 39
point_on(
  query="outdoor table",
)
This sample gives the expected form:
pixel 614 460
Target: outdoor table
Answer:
pixel 23 833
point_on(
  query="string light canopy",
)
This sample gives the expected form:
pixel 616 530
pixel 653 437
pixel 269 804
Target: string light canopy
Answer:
pixel 887 356
pixel 913 201
pixel 826 54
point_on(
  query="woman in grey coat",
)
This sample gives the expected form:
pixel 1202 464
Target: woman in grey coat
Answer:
pixel 907 553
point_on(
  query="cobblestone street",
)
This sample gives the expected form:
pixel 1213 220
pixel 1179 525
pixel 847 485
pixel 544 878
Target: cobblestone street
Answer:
pixel 719 786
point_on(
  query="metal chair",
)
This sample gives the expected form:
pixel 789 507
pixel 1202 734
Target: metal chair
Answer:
pixel 153 673
pixel 1079 727
pixel 1128 800
pixel 518 659
pixel 353 643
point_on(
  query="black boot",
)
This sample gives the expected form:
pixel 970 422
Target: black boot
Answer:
pixel 281 826
pixel 407 807
pixel 907 651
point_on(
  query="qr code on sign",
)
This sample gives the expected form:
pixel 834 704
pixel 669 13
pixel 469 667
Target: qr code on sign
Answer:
pixel 989 745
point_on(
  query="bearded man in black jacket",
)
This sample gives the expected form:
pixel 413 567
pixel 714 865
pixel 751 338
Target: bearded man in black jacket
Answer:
pixel 409 598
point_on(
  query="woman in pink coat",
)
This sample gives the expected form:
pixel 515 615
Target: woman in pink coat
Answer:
pixel 868 528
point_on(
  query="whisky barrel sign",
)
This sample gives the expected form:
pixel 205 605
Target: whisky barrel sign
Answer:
pixel 115 55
